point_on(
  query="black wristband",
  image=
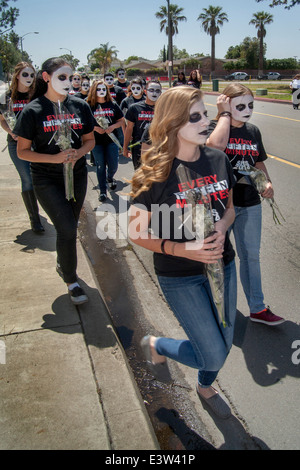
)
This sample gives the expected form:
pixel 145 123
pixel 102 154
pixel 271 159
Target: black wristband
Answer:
pixel 225 113
pixel 162 246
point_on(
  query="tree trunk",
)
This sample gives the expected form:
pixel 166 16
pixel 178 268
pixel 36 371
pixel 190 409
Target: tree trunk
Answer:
pixel 261 54
pixel 213 53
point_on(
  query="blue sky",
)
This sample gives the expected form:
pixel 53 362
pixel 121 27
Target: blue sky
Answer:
pixel 131 26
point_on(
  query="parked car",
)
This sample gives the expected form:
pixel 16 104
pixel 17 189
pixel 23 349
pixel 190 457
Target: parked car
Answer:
pixel 237 76
pixel 270 76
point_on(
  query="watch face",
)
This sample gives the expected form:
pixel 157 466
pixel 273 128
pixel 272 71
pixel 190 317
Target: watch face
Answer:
pixel 60 80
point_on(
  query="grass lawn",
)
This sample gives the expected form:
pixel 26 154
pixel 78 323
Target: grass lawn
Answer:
pixel 276 90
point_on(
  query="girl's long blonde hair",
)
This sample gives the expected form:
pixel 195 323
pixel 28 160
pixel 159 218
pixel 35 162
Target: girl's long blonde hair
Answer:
pixel 172 111
pixel 14 82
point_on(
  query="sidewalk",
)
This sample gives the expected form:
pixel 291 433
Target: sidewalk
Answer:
pixel 64 379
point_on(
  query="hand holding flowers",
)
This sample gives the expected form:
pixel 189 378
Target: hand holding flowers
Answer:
pixel 264 187
pixel 64 141
pixel 210 240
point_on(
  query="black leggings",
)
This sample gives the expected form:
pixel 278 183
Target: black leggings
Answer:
pixel 50 192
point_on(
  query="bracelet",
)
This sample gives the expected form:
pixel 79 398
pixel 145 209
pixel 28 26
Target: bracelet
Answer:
pixel 225 113
pixel 162 246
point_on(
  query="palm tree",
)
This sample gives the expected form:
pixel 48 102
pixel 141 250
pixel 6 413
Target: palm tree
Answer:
pixel 259 20
pixel 175 17
pixel 212 19
pixel 103 55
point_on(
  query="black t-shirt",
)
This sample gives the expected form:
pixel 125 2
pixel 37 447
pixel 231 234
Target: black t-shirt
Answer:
pixel 117 94
pixel 179 82
pixel 194 83
pixel 112 112
pixel 140 114
pixel 124 85
pixel 244 148
pixel 40 121
pixel 130 100
pixel 211 174
pixel 81 95
pixel 16 107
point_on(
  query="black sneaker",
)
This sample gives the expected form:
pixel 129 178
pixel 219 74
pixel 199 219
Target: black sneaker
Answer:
pixel 102 197
pixel 112 184
pixel 78 296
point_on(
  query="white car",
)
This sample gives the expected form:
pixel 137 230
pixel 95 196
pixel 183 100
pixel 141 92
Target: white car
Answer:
pixel 271 76
pixel 237 76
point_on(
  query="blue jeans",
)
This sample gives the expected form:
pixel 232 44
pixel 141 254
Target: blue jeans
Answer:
pixel 247 234
pixel 106 156
pixel 208 341
pixel 22 167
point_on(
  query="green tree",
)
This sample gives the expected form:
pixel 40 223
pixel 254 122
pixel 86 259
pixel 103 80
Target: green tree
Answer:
pixel 131 58
pixel 70 59
pixel 287 4
pixel 103 56
pixel 212 19
pixel 259 20
pixel 8 15
pixel 247 51
pixel 175 17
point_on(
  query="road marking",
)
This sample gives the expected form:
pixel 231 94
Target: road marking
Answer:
pixel 284 161
pixel 279 117
pixel 264 114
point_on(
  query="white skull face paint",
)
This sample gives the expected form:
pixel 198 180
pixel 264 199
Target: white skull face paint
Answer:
pixel 26 76
pixel 76 81
pixel 85 86
pixel 109 80
pixel 153 92
pixel 195 131
pixel 242 108
pixel 60 80
pixel 101 91
pixel 121 75
pixel 136 89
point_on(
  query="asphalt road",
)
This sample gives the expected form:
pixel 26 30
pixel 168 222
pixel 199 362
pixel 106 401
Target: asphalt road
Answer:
pixel 260 377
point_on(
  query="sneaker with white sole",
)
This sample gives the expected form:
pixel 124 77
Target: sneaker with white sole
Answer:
pixel 78 296
pixel 267 317
pixel 112 184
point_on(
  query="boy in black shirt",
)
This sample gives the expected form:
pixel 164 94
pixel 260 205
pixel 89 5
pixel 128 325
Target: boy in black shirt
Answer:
pixel 121 81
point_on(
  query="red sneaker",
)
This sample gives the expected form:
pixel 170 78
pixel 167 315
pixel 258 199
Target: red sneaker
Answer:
pixel 267 317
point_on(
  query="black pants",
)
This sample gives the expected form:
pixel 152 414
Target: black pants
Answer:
pixel 136 156
pixel 50 191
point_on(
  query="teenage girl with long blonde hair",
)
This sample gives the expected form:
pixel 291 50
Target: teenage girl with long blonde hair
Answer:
pixel 178 136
